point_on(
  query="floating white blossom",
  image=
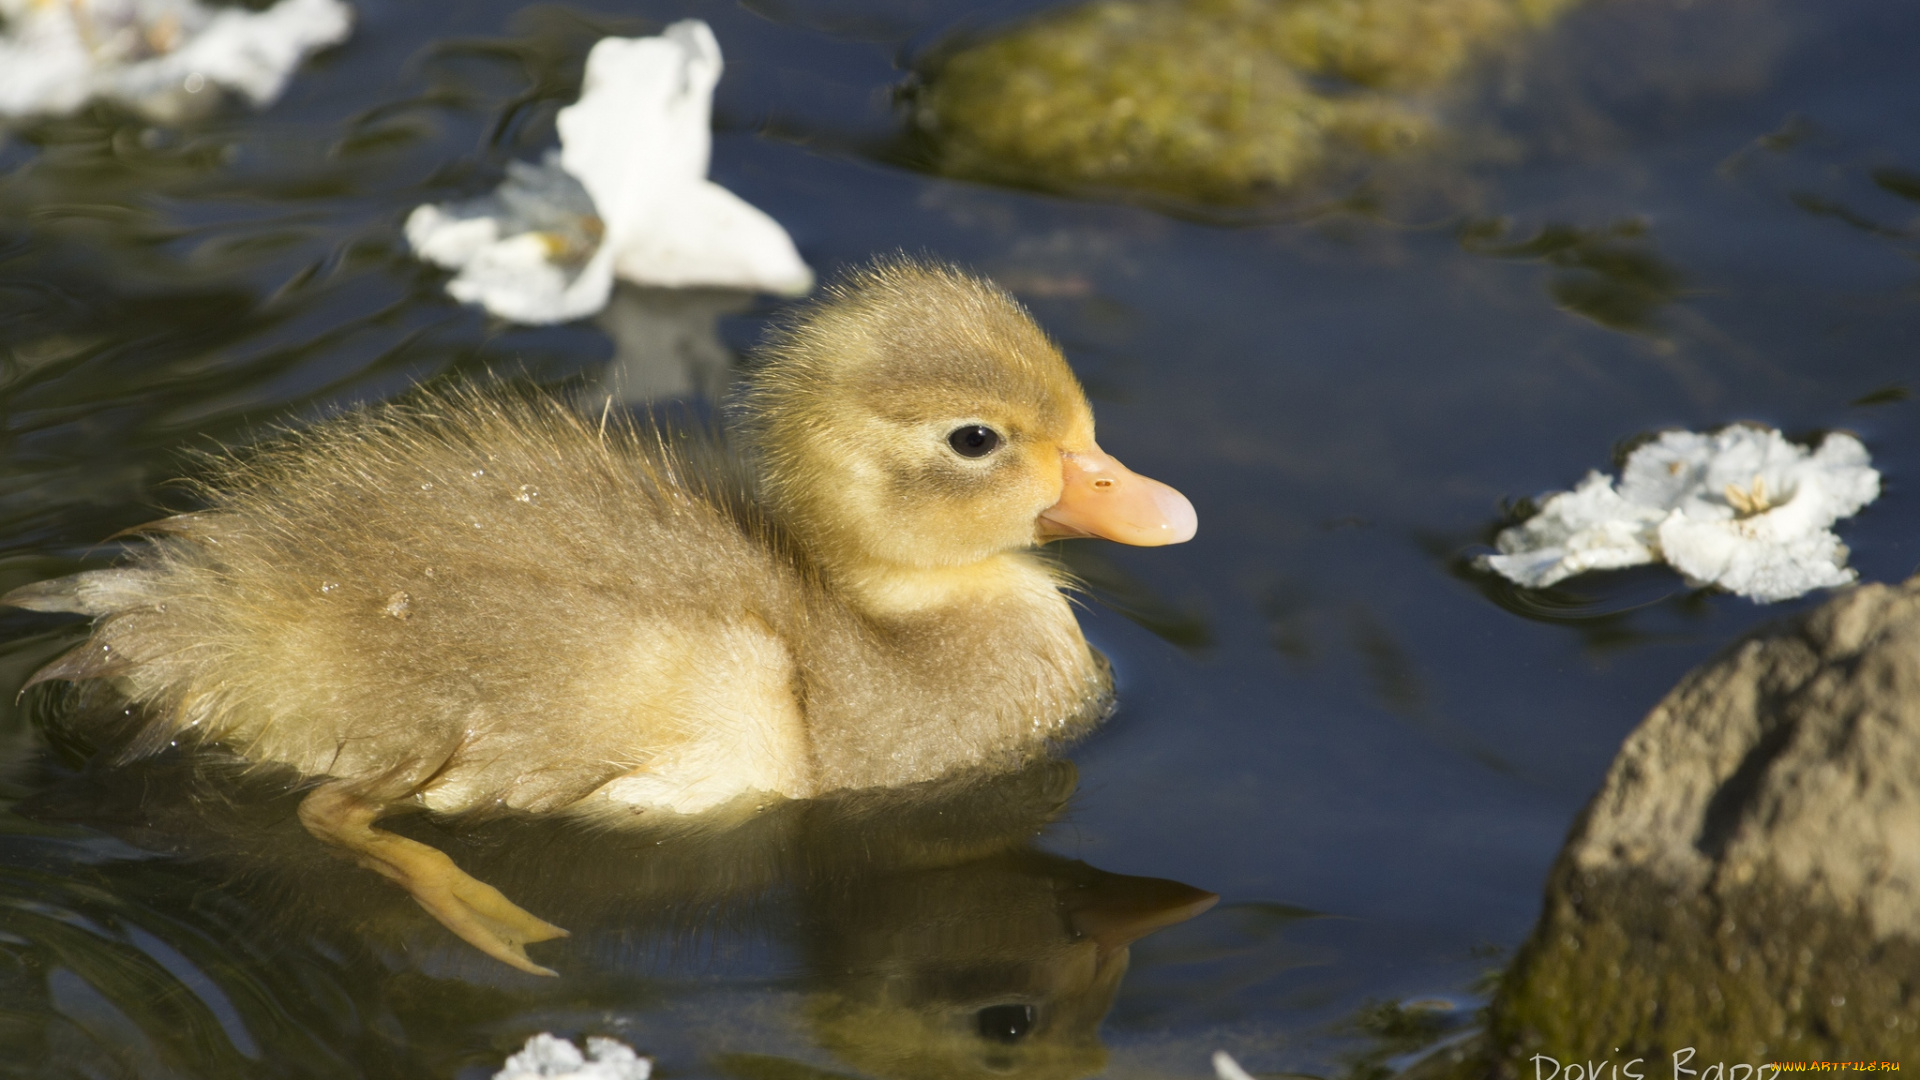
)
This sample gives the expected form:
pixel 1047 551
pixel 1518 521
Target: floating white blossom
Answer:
pixel 165 58
pixel 627 193
pixel 1741 508
pixel 546 1057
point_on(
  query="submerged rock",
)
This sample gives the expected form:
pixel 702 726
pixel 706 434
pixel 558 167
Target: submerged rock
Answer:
pixel 1741 508
pixel 1746 885
pixel 626 194
pixel 167 59
pixel 1219 101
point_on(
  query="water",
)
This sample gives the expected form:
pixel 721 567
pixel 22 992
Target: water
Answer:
pixel 1701 213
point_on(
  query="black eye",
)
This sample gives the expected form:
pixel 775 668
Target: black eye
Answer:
pixel 973 440
pixel 1005 1023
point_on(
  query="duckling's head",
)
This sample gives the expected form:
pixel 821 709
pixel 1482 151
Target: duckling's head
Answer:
pixel 915 418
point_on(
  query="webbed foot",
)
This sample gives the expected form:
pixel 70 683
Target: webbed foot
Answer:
pixel 472 909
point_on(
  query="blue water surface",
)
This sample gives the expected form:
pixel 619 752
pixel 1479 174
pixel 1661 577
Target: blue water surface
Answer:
pixel 1368 749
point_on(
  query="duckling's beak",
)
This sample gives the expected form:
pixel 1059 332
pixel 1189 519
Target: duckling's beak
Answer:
pixel 1101 497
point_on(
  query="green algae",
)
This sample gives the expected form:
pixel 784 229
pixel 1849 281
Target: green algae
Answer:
pixel 1623 967
pixel 1210 101
pixel 1611 275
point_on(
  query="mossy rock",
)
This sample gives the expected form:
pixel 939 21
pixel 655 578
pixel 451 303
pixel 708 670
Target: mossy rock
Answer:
pixel 1208 101
pixel 1624 967
pixel 1744 885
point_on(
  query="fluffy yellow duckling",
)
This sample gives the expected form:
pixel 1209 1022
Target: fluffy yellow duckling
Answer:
pixel 479 601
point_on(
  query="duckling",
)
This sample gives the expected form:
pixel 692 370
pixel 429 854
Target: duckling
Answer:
pixel 475 600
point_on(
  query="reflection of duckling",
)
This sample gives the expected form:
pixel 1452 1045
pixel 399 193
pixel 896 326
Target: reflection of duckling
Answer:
pixel 1003 967
pixel 475 601
pixel 925 935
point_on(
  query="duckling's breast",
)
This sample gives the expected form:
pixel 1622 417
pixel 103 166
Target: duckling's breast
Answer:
pixel 987 684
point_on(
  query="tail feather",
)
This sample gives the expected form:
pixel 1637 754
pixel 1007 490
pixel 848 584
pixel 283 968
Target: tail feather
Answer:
pixel 88 660
pixel 95 592
pixel 102 594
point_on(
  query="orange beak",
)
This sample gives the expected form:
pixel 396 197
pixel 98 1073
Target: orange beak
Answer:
pixel 1101 497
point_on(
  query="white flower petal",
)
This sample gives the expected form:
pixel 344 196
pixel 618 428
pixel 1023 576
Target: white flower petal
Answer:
pixel 1588 528
pixel 1753 557
pixel 516 279
pixel 1666 471
pixel 447 239
pixel 44 64
pixel 253 53
pixel 161 57
pixel 618 1060
pixel 643 124
pixel 529 252
pixel 543 1055
pixel 706 235
pixel 1847 476
pixel 546 1057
